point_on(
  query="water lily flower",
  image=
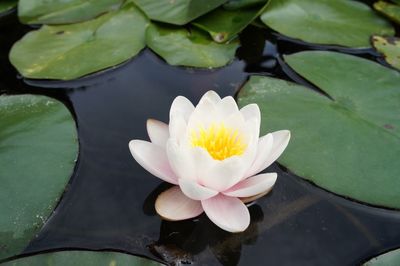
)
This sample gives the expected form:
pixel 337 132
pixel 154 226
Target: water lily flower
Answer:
pixel 212 154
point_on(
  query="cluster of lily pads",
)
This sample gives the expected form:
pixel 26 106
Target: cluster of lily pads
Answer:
pixel 343 140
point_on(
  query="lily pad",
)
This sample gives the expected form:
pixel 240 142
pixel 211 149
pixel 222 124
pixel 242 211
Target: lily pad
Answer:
pixel 389 10
pixel 89 258
pixel 224 25
pixel 63 11
pixel 387 259
pixel 7 5
pixel 38 149
pixel 72 51
pixel 180 47
pixel 390 48
pixel 178 12
pixel 339 22
pixel 345 143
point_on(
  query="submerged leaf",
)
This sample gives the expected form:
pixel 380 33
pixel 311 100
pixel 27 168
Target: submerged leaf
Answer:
pixel 7 5
pixel 345 143
pixel 339 22
pixel 65 11
pixel 178 12
pixel 94 258
pixel 38 149
pixel 390 48
pixel 389 10
pixel 224 25
pixel 238 4
pixel 71 51
pixel 179 47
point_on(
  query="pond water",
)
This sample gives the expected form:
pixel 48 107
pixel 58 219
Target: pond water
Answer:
pixel 109 203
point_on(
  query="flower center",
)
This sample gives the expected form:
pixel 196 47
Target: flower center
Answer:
pixel 220 141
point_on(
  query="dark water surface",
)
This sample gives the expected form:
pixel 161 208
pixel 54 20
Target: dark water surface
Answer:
pixel 109 203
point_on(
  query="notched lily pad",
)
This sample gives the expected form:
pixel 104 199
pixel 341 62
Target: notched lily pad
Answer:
pixel 224 25
pixel 339 22
pixel 345 143
pixel 178 12
pixel 64 258
pixel 62 12
pixel 389 47
pixel 391 11
pixel 71 51
pixel 387 259
pixel 38 149
pixel 180 47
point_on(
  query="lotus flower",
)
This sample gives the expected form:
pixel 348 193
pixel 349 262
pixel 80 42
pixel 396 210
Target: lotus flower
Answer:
pixel 212 153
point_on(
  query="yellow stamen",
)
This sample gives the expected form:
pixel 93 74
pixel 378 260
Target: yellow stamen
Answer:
pixel 220 141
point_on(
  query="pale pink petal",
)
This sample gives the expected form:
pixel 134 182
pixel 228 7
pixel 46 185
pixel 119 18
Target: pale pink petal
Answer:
pixel 195 191
pixel 154 159
pixel 228 213
pixel 253 198
pixel 177 127
pixel 173 205
pixel 211 96
pixel 226 107
pixel 265 144
pixel 180 160
pixel 252 186
pixel 158 132
pixel 181 106
pixel 251 111
pixel 221 175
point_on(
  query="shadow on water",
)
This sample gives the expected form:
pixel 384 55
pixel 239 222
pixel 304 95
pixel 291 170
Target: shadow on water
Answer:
pixel 109 203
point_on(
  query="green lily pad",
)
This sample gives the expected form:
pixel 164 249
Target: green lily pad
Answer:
pixel 339 22
pixel 390 48
pixel 237 4
pixel 87 258
pixel 7 5
pixel 179 47
pixel 389 10
pixel 178 12
pixel 38 149
pixel 63 11
pixel 387 259
pixel 224 25
pixel 347 143
pixel 72 51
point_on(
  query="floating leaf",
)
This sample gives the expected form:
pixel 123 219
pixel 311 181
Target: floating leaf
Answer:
pixel 71 51
pixel 387 259
pixel 62 12
pixel 346 143
pixel 389 10
pixel 223 25
pixel 177 12
pixel 183 48
pixel 7 5
pixel 38 149
pixel 389 47
pixel 339 22
pixel 94 258
pixel 237 4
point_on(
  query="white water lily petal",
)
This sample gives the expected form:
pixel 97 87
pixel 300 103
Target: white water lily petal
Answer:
pixel 226 107
pixel 195 191
pixel 203 115
pixel 221 175
pixel 180 160
pixel 211 96
pixel 173 205
pixel 265 145
pixel 251 111
pixel 181 106
pixel 280 141
pixel 158 132
pixel 177 127
pixel 252 186
pixel 228 213
pixel 154 159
